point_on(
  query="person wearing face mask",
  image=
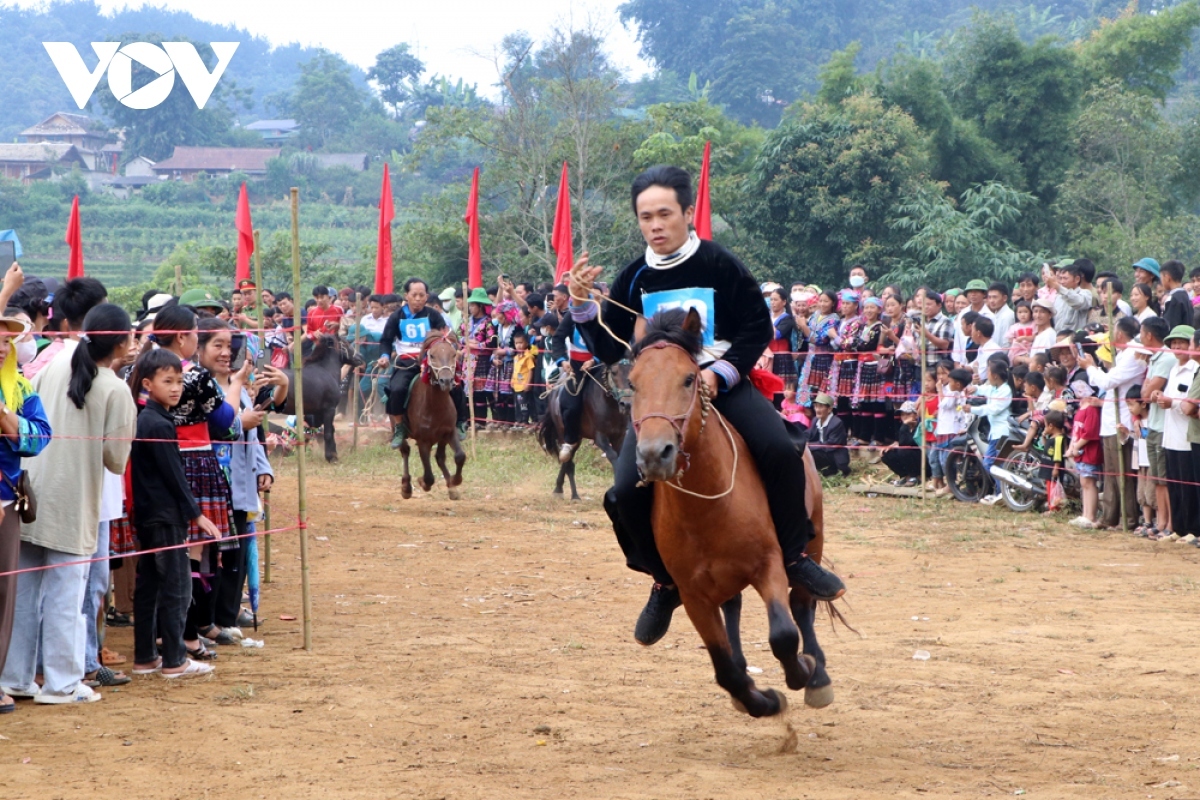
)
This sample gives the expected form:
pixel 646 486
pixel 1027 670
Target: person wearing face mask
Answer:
pixel 25 346
pixel 858 277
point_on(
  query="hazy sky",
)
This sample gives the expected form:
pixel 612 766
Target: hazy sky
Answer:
pixel 457 38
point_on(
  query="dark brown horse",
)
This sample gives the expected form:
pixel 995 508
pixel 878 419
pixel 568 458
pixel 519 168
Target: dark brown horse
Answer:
pixel 432 414
pixel 323 360
pixel 605 418
pixel 710 518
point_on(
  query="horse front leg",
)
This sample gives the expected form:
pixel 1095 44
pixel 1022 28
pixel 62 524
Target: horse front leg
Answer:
pixel 606 447
pixel 405 478
pixel 706 617
pixel 783 633
pixel 460 458
pixel 569 469
pixel 819 691
pixel 424 447
pixel 732 610
pixel 440 454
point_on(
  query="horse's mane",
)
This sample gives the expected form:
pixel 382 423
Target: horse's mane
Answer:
pixel 667 326
pixel 436 335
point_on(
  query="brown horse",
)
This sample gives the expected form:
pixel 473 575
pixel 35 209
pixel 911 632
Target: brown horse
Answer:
pixel 710 517
pixel 605 418
pixel 432 414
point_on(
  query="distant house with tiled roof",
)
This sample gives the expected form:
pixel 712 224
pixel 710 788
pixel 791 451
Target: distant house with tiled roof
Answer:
pixel 188 162
pixel 92 139
pixel 275 131
pixel 31 162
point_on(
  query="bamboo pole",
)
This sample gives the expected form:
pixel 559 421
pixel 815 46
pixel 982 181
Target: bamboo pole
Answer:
pixel 354 379
pixel 265 429
pixel 298 371
pixel 178 279
pixel 921 370
pixel 469 379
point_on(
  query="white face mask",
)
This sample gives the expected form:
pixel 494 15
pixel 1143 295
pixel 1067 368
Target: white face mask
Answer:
pixel 857 281
pixel 26 352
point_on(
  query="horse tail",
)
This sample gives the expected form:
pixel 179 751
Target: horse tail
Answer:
pixel 548 432
pixel 836 616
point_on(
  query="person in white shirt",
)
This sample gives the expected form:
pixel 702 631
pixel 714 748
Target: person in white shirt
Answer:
pixel 1071 302
pixel 375 319
pixel 983 334
pixel 1044 335
pixel 1002 316
pixel 1180 471
pixel 1116 422
pixel 976 294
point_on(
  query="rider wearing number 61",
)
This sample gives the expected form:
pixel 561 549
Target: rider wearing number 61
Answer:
pixel 403 335
pixel 681 270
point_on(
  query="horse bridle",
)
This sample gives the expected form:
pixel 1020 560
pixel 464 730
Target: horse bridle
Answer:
pixel 618 394
pixel 447 336
pixel 680 421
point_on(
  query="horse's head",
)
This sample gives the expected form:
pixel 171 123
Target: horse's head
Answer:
pixel 667 398
pixel 347 356
pixel 440 350
pixel 618 382
pixel 314 351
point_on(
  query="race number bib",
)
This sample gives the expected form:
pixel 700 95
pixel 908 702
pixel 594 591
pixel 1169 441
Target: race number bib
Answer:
pixel 700 299
pixel 414 331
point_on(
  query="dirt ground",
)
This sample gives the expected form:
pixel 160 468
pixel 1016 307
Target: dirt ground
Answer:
pixel 483 649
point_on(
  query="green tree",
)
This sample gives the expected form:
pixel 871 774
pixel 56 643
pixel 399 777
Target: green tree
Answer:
pixel 949 244
pixel 1121 182
pixel 397 73
pixel 1142 51
pixel 823 187
pixel 326 101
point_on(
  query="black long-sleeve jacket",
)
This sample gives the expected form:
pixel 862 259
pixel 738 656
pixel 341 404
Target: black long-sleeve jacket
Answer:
pixel 161 495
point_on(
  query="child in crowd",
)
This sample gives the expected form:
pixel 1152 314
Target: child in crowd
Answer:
pixel 1019 337
pixel 1139 410
pixel 997 395
pixel 163 505
pixel 1088 453
pixel 1054 446
pixel 952 418
pixel 524 367
pixel 904 456
pixel 793 411
pixel 1035 394
pixel 1039 362
pixel 1056 386
pixel 931 391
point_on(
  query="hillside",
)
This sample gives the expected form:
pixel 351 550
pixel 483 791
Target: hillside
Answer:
pixel 32 89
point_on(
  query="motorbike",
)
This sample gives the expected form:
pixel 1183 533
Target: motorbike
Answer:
pixel 965 475
pixel 1022 485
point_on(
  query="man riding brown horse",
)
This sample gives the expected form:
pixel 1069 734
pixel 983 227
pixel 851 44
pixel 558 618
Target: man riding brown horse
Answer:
pixel 680 270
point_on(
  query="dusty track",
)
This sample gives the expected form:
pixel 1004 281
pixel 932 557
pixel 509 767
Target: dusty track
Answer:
pixel 482 649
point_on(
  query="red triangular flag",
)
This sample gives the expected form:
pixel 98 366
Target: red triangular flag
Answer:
pixel 561 239
pixel 245 229
pixel 474 251
pixel 75 239
pixel 384 283
pixel 703 217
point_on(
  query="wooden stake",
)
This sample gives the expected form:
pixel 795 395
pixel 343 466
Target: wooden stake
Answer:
pixel 298 371
pixel 354 379
pixel 469 378
pixel 264 431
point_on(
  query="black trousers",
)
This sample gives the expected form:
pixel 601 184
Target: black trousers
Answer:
pixel 1181 491
pixel 904 462
pixel 779 463
pixel 570 403
pixel 405 371
pixel 232 580
pixel 161 596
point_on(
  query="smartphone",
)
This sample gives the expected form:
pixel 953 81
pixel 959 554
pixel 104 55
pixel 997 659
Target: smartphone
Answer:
pixel 1078 350
pixel 8 255
pixel 238 348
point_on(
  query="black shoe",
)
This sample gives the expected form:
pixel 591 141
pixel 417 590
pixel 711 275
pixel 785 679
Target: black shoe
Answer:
pixel 815 579
pixel 655 619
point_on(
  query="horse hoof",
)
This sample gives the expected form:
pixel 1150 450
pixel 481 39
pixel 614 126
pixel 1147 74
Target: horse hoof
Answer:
pixel 781 697
pixel 405 489
pixel 426 486
pixel 737 705
pixel 818 698
pixel 452 492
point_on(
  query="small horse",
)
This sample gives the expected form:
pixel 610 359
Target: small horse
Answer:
pixel 432 415
pixel 710 517
pixel 322 364
pixel 605 419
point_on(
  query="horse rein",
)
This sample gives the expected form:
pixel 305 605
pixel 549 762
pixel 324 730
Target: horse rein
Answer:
pixel 680 422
